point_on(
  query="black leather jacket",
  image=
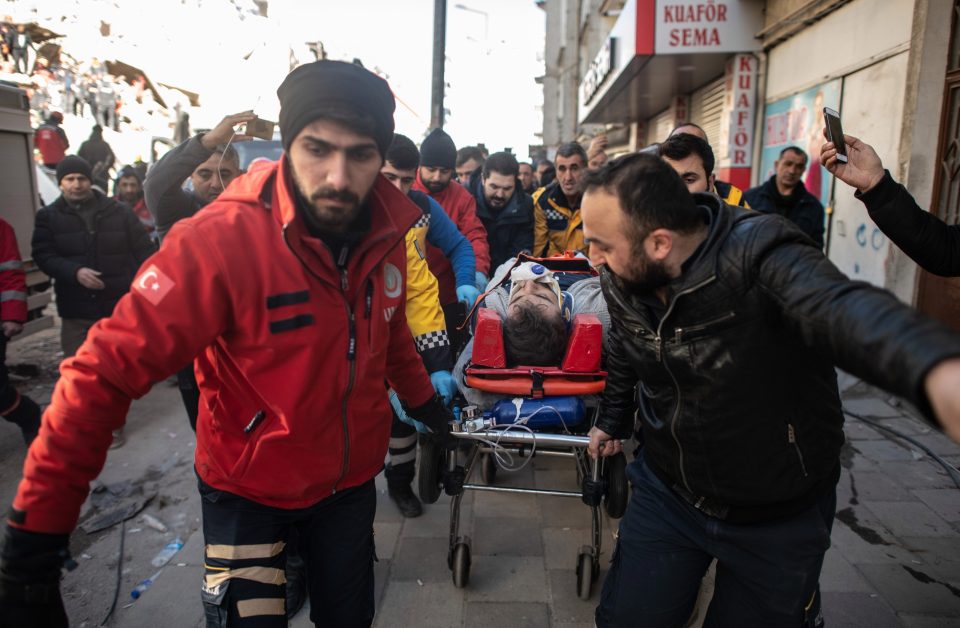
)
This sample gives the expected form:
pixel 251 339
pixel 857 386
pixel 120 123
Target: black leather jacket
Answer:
pixel 738 396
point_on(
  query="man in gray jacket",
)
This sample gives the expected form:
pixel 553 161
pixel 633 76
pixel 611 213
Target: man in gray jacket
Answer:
pixel 207 160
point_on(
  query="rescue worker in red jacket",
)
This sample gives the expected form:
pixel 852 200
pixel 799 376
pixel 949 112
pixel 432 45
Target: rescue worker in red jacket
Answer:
pixel 301 267
pixel 14 407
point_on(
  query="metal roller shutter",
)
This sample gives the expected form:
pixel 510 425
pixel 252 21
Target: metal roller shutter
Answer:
pixel 659 126
pixel 706 109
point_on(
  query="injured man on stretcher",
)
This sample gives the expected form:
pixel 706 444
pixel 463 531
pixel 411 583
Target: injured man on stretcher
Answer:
pixel 537 306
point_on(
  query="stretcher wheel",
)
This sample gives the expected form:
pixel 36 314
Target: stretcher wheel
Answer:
pixel 615 501
pixel 585 575
pixel 428 471
pixel 488 469
pixel 460 565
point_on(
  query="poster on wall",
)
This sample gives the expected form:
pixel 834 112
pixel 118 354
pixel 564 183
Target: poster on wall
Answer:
pixel 798 121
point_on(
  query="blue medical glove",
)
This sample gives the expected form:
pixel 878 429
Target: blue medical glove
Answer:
pixel 467 295
pixel 444 385
pixel 481 280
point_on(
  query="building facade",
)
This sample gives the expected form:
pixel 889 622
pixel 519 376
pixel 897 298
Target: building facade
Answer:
pixel 756 74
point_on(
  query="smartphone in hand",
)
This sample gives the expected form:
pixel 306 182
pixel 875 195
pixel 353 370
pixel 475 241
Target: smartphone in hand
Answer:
pixel 835 132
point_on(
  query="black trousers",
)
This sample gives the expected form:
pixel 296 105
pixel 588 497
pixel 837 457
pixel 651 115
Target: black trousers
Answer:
pixel 402 454
pixel 190 393
pixel 244 583
pixel 17 408
pixel 767 573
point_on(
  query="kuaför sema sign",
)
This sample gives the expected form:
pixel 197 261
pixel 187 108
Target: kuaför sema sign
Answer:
pixel 685 26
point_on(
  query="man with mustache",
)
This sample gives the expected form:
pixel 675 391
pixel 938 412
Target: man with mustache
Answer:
pixel 726 327
pixel 299 269
pixel 785 194
pixel 556 208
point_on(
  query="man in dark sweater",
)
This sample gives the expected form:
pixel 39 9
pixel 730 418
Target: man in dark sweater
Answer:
pixel 785 194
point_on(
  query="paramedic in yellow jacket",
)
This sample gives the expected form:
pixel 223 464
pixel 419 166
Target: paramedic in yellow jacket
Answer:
pixel 424 314
pixel 556 208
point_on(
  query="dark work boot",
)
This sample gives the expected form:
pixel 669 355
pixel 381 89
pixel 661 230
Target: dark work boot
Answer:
pixel 405 500
pixel 296 584
pixel 26 414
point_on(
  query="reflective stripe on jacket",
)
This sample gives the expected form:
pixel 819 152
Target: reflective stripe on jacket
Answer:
pixel 291 351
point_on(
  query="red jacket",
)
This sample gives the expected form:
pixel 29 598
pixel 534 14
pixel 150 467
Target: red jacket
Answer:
pixel 13 281
pixel 462 209
pixel 52 143
pixel 292 355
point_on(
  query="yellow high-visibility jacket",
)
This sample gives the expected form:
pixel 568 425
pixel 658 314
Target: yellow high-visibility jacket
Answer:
pixel 424 316
pixel 557 227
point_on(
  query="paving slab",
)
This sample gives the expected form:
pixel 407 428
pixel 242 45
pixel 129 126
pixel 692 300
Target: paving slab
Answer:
pixel 943 501
pixel 872 406
pixel 513 614
pixel 876 486
pixel 507 536
pixel 861 539
pixel 430 605
pixel 486 504
pixel 911 519
pixel 840 576
pixel 386 535
pixel 918 621
pixel 562 545
pixel 859 431
pixel 940 556
pixel 937 443
pixel 857 610
pixel 507 579
pixel 910 589
pixel 564 511
pixel 920 474
pixel 435 520
pixel 566 605
pixel 421 558
pixel 883 451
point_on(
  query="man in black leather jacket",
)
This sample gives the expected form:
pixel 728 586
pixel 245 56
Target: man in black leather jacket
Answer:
pixel 732 322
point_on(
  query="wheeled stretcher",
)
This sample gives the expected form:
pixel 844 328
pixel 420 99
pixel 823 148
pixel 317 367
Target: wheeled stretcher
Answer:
pixel 545 414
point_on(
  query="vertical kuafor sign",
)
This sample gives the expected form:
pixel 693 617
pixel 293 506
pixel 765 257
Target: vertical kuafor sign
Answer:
pixel 739 109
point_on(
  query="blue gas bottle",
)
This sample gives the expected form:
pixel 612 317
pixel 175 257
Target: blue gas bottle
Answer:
pixel 546 413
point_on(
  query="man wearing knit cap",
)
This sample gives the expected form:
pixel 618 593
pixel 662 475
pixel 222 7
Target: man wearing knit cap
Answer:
pixel 438 156
pixel 301 269
pixel 91 246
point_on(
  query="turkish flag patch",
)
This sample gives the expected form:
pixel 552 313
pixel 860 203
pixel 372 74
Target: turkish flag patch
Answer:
pixel 153 284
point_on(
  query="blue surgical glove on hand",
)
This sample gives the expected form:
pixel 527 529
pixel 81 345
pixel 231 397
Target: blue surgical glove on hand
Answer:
pixel 467 295
pixel 481 280
pixel 444 384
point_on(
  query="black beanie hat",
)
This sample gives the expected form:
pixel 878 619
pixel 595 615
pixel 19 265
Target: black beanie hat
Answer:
pixel 438 150
pixel 73 164
pixel 129 171
pixel 322 88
